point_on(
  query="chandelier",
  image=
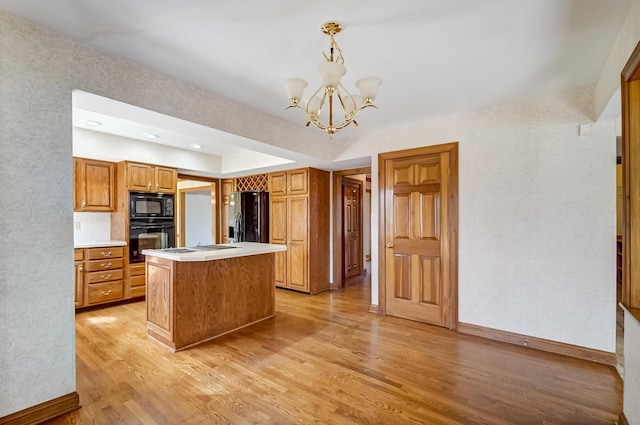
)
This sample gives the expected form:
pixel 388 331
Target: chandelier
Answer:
pixel 331 92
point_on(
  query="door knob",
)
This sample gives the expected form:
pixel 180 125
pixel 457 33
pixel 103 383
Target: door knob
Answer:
pixel 389 245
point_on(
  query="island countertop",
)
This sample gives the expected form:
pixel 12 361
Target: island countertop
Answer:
pixel 232 250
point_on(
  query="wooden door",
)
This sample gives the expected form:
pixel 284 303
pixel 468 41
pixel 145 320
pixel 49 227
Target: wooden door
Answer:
pixel 165 179
pixel 140 177
pixel 351 224
pixel 297 182
pixel 278 184
pixel 278 235
pixel 417 257
pixel 297 247
pixel 95 185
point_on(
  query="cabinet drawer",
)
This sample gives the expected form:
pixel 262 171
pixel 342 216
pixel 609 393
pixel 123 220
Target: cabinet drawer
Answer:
pixel 136 281
pixel 106 264
pixel 138 291
pixel 137 269
pixel 107 252
pixel 104 276
pixel 102 292
pixel 78 254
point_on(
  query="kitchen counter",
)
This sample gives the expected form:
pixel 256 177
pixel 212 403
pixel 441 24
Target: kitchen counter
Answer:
pixel 99 244
pixel 239 249
pixel 194 296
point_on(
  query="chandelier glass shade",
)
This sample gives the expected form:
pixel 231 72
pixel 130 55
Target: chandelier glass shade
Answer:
pixel 340 107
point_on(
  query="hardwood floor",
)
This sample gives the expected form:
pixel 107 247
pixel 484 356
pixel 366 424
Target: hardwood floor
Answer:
pixel 325 359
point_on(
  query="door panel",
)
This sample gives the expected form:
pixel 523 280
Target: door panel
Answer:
pixel 280 268
pixel 416 258
pixel 351 210
pixel 278 221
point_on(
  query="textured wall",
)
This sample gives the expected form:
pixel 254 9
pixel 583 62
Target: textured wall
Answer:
pixel 537 216
pixel 631 369
pixel 38 71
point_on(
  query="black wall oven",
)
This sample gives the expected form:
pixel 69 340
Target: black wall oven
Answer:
pixel 151 223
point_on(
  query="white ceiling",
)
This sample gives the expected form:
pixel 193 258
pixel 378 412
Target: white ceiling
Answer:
pixel 436 57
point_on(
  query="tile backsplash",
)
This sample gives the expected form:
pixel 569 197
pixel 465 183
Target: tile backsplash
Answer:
pixel 91 227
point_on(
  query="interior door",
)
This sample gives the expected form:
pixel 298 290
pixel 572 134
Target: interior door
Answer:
pixel 351 223
pixel 417 238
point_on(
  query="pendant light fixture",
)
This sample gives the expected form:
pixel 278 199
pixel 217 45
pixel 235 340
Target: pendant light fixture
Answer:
pixel 339 106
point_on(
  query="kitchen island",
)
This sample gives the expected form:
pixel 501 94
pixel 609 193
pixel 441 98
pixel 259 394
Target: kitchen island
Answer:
pixel 198 294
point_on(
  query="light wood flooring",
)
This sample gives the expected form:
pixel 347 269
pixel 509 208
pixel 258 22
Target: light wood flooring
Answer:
pixel 324 359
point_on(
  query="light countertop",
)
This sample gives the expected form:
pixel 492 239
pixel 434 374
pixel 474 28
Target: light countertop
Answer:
pixel 240 249
pixel 99 244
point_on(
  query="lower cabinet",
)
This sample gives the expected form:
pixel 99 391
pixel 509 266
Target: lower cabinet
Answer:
pixel 100 276
pixel 136 280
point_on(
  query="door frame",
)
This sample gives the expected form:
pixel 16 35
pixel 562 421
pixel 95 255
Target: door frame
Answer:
pixel 452 149
pixel 338 236
pixel 360 184
pixel 207 183
pixel 630 77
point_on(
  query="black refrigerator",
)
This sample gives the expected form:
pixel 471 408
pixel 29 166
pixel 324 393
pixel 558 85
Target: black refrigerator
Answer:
pixel 248 217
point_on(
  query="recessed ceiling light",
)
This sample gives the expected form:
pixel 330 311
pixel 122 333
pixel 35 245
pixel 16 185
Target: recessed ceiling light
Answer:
pixel 93 123
pixel 151 136
pixel 196 146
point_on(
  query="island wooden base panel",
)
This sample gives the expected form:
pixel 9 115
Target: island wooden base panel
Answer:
pixel 193 302
pixel 44 411
pixel 326 359
pixel 540 344
pixel 171 346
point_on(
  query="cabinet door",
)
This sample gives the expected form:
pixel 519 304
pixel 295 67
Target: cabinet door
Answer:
pixel 278 184
pixel 95 183
pixel 278 235
pixel 79 270
pixel 297 182
pixel 165 179
pixel 140 177
pixel 297 251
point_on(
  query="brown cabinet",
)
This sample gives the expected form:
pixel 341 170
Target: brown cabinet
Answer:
pixel 94 185
pixel 290 182
pixel 150 178
pixel 136 280
pixel 78 257
pixel 99 275
pixel 299 219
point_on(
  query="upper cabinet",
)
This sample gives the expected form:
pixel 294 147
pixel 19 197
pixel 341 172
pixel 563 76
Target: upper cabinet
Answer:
pixel 94 185
pixel 291 182
pixel 150 178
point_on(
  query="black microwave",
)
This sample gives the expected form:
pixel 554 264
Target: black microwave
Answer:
pixel 144 205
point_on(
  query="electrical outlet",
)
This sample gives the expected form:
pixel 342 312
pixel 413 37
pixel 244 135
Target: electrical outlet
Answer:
pixel 76 225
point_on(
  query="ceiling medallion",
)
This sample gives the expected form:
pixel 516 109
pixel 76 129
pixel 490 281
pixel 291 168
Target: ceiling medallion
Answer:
pixel 331 92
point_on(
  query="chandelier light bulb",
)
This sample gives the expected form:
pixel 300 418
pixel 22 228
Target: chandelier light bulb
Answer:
pixel 331 92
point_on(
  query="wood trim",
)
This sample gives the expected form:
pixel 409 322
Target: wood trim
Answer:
pixel 44 411
pixel 630 93
pixel 338 252
pixel 452 148
pixel 632 67
pixel 374 309
pixel 541 344
pixel 622 419
pixel 198 178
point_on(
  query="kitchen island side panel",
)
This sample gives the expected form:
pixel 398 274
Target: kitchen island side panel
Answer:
pixel 216 297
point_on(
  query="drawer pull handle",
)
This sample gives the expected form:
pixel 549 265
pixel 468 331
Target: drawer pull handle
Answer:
pixel 105 254
pixel 107 292
pixel 105 265
pixel 106 277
